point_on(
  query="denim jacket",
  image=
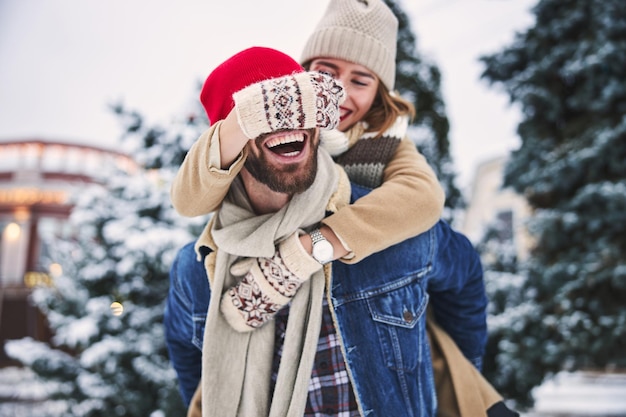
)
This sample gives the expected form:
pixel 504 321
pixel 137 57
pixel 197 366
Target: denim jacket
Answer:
pixel 379 306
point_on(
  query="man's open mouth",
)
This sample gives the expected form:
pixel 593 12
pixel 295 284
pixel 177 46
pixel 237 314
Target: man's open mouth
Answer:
pixel 287 145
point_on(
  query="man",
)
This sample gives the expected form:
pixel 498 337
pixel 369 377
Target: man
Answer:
pixel 271 340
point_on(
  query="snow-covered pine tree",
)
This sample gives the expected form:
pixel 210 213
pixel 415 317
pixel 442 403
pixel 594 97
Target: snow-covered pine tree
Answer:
pixel 101 362
pixel 503 283
pixel 419 81
pixel 567 75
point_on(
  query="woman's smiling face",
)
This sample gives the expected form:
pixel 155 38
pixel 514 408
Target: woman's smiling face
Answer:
pixel 361 86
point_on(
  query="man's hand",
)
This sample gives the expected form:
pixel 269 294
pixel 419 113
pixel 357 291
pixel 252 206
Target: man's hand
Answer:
pixel 299 101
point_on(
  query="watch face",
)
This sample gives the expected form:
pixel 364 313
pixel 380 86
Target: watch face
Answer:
pixel 323 251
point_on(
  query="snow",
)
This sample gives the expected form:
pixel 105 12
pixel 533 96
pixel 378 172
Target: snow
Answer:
pixel 582 393
pixel 99 352
pixel 77 332
pixel 20 384
pixel 28 351
pixel 94 387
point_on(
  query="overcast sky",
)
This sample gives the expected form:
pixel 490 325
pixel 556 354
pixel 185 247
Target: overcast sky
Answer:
pixel 62 62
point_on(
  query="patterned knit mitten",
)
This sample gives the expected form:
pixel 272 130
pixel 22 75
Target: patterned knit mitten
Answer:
pixel 268 284
pixel 299 101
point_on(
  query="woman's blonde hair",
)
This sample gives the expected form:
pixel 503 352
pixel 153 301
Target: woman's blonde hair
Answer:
pixel 385 109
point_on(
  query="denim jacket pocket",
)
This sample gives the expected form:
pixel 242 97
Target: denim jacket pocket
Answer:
pixel 400 322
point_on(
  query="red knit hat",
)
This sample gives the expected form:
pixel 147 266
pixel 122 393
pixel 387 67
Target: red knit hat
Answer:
pixel 239 71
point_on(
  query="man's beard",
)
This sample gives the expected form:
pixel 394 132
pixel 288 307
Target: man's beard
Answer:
pixel 289 179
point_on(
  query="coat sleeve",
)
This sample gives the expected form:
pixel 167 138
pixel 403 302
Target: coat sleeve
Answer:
pixel 409 202
pixel 199 188
pixel 457 292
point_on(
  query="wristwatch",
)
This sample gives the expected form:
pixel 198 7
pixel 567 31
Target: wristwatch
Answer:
pixel 322 248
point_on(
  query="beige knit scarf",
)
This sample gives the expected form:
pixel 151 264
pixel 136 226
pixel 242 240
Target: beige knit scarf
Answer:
pixel 236 367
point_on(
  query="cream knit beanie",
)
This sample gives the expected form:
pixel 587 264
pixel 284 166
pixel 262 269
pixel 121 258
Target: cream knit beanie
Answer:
pixel 359 31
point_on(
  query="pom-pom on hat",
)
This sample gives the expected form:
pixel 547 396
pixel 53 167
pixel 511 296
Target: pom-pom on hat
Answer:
pixel 247 67
pixel 361 31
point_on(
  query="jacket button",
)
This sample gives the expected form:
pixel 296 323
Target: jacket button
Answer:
pixel 407 316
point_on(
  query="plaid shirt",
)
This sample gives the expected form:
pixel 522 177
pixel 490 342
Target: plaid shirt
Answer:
pixel 330 390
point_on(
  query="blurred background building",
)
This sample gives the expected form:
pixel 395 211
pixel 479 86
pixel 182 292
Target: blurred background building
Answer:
pixel 488 201
pixel 37 180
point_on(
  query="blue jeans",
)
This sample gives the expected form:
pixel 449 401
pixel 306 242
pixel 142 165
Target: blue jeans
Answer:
pixel 185 315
